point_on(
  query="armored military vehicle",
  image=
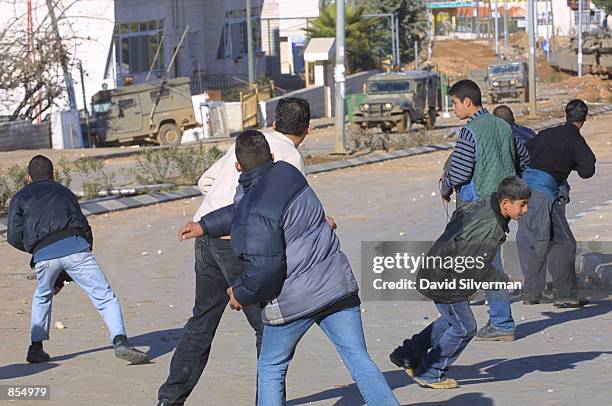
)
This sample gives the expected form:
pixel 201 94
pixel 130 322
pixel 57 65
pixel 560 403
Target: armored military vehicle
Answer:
pixel 507 80
pixel 155 112
pixel 596 55
pixel 399 99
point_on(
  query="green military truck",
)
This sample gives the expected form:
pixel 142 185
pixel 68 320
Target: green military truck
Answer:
pixel 156 112
pixel 507 80
pixel 396 100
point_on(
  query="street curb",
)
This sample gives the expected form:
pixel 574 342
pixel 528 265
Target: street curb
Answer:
pixel 96 207
pixel 123 203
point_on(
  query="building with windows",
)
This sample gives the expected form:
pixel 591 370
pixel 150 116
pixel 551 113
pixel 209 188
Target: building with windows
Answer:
pixel 214 49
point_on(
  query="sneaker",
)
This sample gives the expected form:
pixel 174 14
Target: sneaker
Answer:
pixel 400 362
pixel 127 353
pixel 537 300
pixel 488 333
pixel 447 383
pixel 37 355
pixel 570 303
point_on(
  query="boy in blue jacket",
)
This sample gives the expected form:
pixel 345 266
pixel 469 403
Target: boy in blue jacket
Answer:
pixel 290 261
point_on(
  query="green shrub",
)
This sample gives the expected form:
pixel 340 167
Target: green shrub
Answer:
pixel 154 166
pixel 182 166
pixel 96 178
pixel 191 163
pixel 62 172
pixel 11 180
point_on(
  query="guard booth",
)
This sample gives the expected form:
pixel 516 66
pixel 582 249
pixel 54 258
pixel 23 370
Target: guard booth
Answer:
pixel 319 60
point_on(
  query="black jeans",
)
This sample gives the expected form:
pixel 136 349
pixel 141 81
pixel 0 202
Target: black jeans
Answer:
pixel 558 255
pixel 216 268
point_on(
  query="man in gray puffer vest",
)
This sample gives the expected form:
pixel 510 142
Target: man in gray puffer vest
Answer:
pixel 290 261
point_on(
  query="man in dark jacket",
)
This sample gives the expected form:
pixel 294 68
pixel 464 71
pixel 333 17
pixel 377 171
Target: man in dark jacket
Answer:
pixel 524 134
pixel 45 220
pixel 474 234
pixel 290 260
pixel 544 237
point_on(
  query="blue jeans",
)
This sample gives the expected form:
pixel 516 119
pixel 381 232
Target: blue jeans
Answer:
pixel 437 347
pixel 500 313
pixel 85 271
pixel 345 331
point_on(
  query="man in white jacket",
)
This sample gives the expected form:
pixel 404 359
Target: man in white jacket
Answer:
pixel 216 266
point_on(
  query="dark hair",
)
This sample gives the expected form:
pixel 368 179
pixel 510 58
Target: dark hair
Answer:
pixel 252 149
pixel 466 88
pixel 292 116
pixel 513 188
pixel 505 113
pixel 40 168
pixel 576 111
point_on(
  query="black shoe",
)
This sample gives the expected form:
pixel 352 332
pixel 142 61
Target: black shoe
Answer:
pixel 570 303
pixel 396 359
pixel 127 353
pixel 537 300
pixel 37 355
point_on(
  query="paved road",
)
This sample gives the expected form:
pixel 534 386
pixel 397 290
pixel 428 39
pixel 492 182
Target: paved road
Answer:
pixel 561 358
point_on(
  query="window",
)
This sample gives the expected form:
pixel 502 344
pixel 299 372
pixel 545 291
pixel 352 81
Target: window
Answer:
pixel 136 45
pixel 586 17
pixel 125 103
pixel 165 93
pixel 394 86
pixel 233 38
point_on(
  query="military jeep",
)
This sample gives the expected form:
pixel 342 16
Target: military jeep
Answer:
pixel 146 112
pixel 507 80
pixel 399 99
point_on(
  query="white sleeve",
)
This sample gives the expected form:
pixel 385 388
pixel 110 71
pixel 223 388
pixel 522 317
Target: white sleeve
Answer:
pixel 294 158
pixel 212 173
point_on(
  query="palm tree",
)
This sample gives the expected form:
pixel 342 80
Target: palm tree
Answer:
pixel 364 38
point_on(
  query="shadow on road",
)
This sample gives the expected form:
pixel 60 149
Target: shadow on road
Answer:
pixel 159 343
pixel 554 318
pixel 499 370
pixel 349 394
pixel 494 370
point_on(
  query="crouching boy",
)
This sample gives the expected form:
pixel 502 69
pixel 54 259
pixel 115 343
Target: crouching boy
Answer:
pixel 476 230
pixel 291 261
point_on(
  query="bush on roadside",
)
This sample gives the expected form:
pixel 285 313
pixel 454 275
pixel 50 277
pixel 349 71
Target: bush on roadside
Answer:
pixel 154 166
pixel 11 180
pixel 62 172
pixel 96 179
pixel 181 166
pixel 191 163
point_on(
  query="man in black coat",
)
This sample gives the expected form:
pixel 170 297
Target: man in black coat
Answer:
pixel 544 237
pixel 45 220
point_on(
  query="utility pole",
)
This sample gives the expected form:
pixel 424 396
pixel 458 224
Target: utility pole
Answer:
pixel 249 42
pixel 497 28
pixel 340 147
pixel 553 45
pixel 547 32
pixel 506 32
pixel 397 40
pixel 63 57
pixel 580 38
pixel 86 111
pixel 532 57
pixel 393 41
pixel 416 55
